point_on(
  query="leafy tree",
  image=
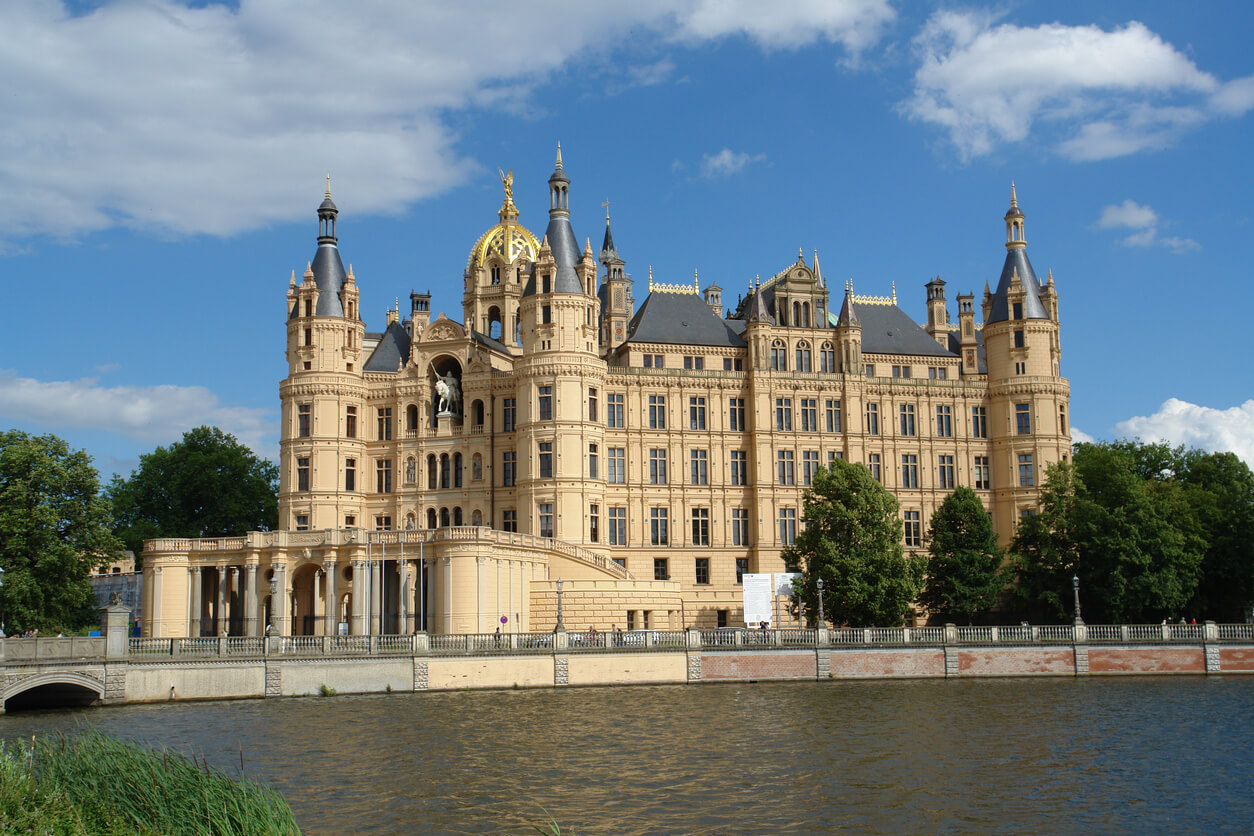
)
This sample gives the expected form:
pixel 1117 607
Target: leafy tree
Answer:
pixel 852 540
pixel 964 565
pixel 1220 489
pixel 54 529
pixel 207 485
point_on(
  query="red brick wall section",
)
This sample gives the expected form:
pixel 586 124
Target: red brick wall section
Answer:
pixel 764 665
pixel 1146 659
pixel 1236 659
pixel 1018 661
pixel 874 664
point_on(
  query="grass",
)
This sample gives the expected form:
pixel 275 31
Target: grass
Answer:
pixel 94 785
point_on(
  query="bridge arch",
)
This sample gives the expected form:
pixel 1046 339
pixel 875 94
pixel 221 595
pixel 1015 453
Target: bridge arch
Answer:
pixel 52 689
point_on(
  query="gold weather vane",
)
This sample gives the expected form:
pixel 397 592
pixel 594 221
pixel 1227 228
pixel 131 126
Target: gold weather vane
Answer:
pixel 606 205
pixel 508 181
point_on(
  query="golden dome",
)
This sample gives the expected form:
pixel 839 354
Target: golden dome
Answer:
pixel 508 239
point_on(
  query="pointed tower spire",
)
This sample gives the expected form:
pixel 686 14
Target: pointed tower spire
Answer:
pixel 818 273
pixel 1014 198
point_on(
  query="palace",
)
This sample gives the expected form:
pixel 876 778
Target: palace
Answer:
pixel 453 476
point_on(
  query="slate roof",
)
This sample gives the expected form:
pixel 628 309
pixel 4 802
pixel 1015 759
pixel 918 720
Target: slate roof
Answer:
pixel 566 253
pixel 1017 258
pixel 887 329
pixel 393 347
pixel 329 275
pixel 680 319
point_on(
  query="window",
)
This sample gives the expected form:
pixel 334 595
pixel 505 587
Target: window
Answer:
pixel 873 465
pixel 509 414
pixel 546 519
pixel 696 413
pixel 616 465
pixel 594 523
pixel 1026 476
pixel 809 465
pixel 740 529
pixel 303 415
pixel 1021 368
pixel 787 526
pixel 907 419
pixel 509 468
pixel 457 470
pixel 739 468
pixel 509 521
pixel 660 572
pixel 832 456
pixel 445 468
pixel 832 408
pixel 736 414
pixel 785 467
pixel 809 415
pixel 827 358
pixel 350 422
pixel 979 422
pixel 593 469
pixel 901 371
pixel 701 527
pixel 302 474
pixel 944 422
pixel 779 356
pixel 658 534
pixel 783 413
pixel 1019 338
pixel 1017 310
pixel 631 614
pixel 699 465
pixel 722 618
pixel 308 336
pixel 432 473
pixel 546 402
pixel 909 470
pixel 945 473
pixel 694 363
pixel 350 474
pixel 803 357
pixel 870 370
pixel 938 373
pixel 592 405
pixel 742 569
pixel 383 476
pixel 546 459
pixel 1023 419
pixel 617 526
pixel 476 468
pixel 614 411
pixel 703 570
pixel 657 466
pixel 657 412
pixel 913 530
pixel 546 311
pixel 872 419
pixel 385 423
pixel 1062 419
pixel 733 364
pixel 983 482
pixel 350 521
pixel 382 523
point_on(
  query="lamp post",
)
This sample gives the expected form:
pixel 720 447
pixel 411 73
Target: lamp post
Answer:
pixel 560 626
pixel 819 582
pixel 1075 587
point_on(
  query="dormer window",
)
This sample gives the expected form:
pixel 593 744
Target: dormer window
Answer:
pixel 1018 310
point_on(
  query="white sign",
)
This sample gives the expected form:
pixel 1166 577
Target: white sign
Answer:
pixel 757 591
pixel 783 583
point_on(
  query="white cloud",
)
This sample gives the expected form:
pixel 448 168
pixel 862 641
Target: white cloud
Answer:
pixel 1092 93
pixel 1143 219
pixel 213 119
pixel 1180 422
pixel 1079 436
pixel 152 414
pixel 727 162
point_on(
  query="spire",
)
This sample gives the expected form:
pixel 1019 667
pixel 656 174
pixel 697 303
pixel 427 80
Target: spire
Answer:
pixel 818 274
pixel 848 316
pixel 559 155
pixel 650 278
pixel 696 283
pixel 757 308
pixel 1014 199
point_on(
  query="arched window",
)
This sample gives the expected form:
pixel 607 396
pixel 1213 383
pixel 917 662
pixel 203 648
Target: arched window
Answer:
pixel 476 412
pixel 476 468
pixel 803 356
pixel 444 518
pixel 444 470
pixel 457 470
pixel 805 314
pixel 495 323
pixel 431 485
pixel 457 516
pixel 827 358
pixel 779 356
pixel 430 518
pixel 411 417
pixel 796 313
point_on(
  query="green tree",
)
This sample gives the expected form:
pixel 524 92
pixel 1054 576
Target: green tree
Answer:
pixel 55 528
pixel 964 564
pixel 852 540
pixel 1220 489
pixel 207 485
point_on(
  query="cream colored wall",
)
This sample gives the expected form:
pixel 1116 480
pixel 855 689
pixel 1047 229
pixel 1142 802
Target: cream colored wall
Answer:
pixel 502 672
pixel 626 668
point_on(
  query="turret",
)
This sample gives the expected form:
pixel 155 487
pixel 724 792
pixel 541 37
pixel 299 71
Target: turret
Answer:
pixel 968 346
pixel 714 298
pixel 615 293
pixel 937 315
pixel 849 334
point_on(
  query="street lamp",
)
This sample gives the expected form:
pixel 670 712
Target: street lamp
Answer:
pixel 820 585
pixel 1075 586
pixel 560 625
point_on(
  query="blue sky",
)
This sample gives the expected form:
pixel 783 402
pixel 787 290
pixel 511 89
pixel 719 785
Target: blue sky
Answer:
pixel 161 163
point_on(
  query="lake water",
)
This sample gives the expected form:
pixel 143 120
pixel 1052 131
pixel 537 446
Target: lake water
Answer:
pixel 1110 755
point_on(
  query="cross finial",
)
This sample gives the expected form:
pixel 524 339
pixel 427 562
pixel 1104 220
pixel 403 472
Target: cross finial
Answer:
pixel 606 204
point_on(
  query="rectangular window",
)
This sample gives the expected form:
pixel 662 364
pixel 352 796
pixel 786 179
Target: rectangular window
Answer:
pixel 694 363
pixel 593 469
pixel 938 373
pixel 658 522
pixel 657 412
pixel 700 526
pixel 736 414
pixel 783 414
pixel 350 422
pixel 740 528
pixel 350 521
pixel 661 572
pixel 907 419
pixel 913 530
pixel 870 370
pixel 809 415
pixel 1018 338
pixel 302 474
pixel 546 459
pixel 979 422
pixel 653 361
pixel 803 358
pixel 615 413
pixel 733 364
pixel 509 414
pixel 872 419
pixel 742 569
pixel 983 480
pixel 703 570
pixel 901 371
pixel 382 523
pixel 546 519
pixel 832 408
pixel 657 466
pixel 509 468
pixel 631 614
pixel 832 456
pixel 383 476
pixel 809 466
pixel 827 358
pixel 779 357
pixel 696 413
pixel 909 471
pixel 944 422
pixel 594 523
pixel 700 466
pixel 873 465
pixel 1027 478
pixel 304 413
pixel 1023 419
pixel 722 618
pixel 618 526
pixel 616 466
pixel 1021 368
pixel 785 467
pixel 945 473
pixel 509 521
pixel 546 402
pixel 350 474
pixel 739 468
pixel 385 423
pixel 1062 420
pixel 787 526
pixel 592 405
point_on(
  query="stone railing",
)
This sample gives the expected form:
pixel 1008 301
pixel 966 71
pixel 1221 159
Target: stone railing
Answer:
pixel 51 649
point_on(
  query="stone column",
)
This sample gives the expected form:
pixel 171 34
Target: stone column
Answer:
pixel 279 608
pixel 220 613
pixel 331 604
pixel 197 594
pixel 250 600
pixel 402 603
pixel 376 596
pixel 154 613
pixel 359 595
